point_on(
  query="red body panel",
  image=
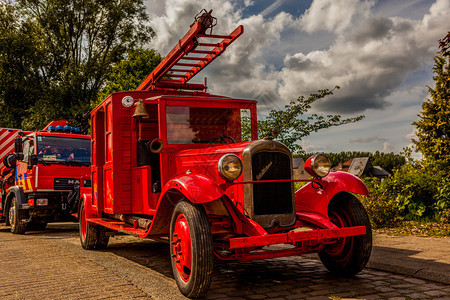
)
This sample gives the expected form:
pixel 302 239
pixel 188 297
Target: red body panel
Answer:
pixel 316 200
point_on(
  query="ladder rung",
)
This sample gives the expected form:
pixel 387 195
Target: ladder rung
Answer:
pixel 203 52
pixel 170 80
pixel 214 36
pixel 185 65
pixel 174 75
pixel 207 45
pixel 195 58
pixel 181 70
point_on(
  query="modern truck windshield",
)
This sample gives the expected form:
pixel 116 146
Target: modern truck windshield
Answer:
pixel 72 151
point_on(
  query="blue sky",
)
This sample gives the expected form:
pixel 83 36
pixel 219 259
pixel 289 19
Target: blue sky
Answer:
pixel 379 52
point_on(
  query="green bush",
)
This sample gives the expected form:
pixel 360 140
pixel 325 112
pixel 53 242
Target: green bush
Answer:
pixel 414 192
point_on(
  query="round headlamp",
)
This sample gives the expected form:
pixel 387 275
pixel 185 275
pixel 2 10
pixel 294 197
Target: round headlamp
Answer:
pixel 318 165
pixel 230 166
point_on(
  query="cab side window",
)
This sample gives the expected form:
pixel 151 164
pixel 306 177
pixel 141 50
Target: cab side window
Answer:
pixel 28 149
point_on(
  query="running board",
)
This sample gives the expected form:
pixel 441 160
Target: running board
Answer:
pixel 116 225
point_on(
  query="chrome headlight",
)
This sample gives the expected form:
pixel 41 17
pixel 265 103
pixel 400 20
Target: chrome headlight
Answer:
pixel 318 165
pixel 230 167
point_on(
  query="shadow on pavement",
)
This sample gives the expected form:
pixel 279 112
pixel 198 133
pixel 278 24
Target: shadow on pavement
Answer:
pixel 402 261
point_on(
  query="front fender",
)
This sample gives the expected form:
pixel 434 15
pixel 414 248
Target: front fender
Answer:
pixel 316 199
pixel 197 189
pixel 22 199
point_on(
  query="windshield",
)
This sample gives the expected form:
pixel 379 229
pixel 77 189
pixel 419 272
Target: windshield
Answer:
pixel 203 125
pixel 64 150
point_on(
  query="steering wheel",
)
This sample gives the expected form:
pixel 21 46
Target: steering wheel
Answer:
pixel 221 139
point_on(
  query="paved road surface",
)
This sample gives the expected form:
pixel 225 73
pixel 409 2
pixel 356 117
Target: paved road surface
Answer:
pixel 52 265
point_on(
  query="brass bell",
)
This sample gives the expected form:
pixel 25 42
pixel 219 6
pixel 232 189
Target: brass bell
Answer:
pixel 140 111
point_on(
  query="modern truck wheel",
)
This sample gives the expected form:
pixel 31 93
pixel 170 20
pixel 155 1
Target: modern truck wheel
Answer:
pixel 15 218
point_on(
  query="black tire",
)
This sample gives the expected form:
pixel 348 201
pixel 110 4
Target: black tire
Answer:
pixel 193 245
pixel 348 256
pixel 88 233
pixel 16 216
pixel 102 238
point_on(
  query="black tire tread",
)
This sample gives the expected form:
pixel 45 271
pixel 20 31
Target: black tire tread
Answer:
pixel 102 238
pixel 20 227
pixel 91 233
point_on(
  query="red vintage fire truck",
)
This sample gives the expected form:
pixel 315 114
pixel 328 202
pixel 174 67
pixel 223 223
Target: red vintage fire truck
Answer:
pixel 41 175
pixel 168 161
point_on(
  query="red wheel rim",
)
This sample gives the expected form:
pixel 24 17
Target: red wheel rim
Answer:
pixel 181 247
pixel 341 247
pixel 83 224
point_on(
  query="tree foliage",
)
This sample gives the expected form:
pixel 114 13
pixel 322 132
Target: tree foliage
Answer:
pixel 55 55
pixel 130 72
pixel 294 123
pixel 433 126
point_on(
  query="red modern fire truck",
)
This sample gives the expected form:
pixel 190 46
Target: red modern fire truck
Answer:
pixel 168 161
pixel 41 175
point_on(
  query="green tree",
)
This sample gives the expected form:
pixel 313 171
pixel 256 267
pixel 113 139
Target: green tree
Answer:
pixel 433 126
pixel 293 123
pixel 58 54
pixel 130 72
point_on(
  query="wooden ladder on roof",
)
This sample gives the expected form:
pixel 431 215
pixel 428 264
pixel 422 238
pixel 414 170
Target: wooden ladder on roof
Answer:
pixel 192 53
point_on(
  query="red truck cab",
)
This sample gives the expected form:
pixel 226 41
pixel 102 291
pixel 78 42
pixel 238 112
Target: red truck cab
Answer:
pixel 48 167
pixel 169 161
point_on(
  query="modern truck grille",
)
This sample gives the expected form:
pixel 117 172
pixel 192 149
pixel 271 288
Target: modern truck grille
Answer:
pixel 65 183
pixel 271 198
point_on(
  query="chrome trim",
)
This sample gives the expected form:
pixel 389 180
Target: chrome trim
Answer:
pixel 266 221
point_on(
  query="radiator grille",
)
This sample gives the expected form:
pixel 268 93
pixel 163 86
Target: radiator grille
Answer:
pixel 65 183
pixel 271 198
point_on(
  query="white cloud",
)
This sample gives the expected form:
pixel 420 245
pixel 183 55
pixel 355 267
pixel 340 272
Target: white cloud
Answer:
pixel 248 3
pixel 372 56
pixel 271 8
pixel 334 16
pixel 388 147
pixel 368 61
pixel 367 139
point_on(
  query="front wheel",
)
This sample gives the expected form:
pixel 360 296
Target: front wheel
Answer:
pixel 349 255
pixel 191 249
pixel 15 217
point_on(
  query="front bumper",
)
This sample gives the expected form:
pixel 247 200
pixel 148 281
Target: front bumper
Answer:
pixel 296 237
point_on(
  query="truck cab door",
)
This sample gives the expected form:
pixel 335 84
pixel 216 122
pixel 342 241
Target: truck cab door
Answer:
pixel 24 175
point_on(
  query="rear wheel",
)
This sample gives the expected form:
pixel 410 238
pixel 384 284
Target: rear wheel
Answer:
pixel 15 217
pixel 88 233
pixel 349 255
pixel 102 238
pixel 191 249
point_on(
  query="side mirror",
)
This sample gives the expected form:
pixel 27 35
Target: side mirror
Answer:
pixel 18 146
pixel 10 160
pixel 33 160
